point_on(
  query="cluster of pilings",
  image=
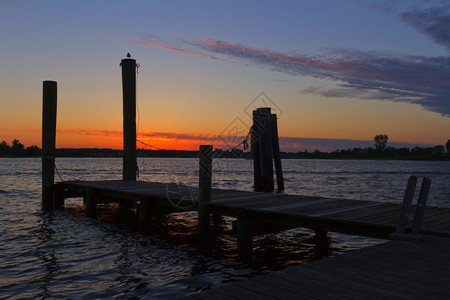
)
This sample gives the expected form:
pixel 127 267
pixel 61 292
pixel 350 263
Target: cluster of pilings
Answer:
pixel 265 149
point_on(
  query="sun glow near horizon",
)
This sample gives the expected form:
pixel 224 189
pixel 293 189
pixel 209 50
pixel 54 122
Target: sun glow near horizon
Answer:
pixel 363 70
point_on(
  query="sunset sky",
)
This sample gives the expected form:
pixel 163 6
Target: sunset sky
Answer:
pixel 337 73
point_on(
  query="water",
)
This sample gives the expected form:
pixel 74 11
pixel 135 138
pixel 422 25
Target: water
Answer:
pixel 66 255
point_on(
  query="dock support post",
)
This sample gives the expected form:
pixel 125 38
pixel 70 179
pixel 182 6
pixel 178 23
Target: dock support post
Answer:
pixel 205 178
pixel 49 97
pixel 91 203
pixel 277 154
pixel 244 234
pixel 58 198
pixel 322 240
pixel 129 118
pixel 144 211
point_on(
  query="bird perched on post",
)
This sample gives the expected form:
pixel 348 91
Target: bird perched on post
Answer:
pixel 128 55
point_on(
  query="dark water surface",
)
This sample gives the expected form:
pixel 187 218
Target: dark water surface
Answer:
pixel 66 255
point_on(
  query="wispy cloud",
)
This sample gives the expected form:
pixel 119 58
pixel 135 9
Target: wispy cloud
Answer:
pixel 180 136
pixel 173 49
pixel 431 19
pixel 175 140
pixel 433 22
pixel 143 134
pixel 419 80
pixel 112 133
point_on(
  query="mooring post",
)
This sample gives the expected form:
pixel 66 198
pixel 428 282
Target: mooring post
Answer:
pixel 49 97
pixel 277 154
pixel 205 178
pixel 255 149
pixel 266 150
pixel 91 203
pixel 129 118
pixel 262 149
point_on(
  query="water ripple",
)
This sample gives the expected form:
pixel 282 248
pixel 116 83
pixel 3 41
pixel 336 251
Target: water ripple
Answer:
pixel 67 255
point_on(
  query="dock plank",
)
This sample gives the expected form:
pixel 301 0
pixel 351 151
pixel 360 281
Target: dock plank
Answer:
pixel 378 272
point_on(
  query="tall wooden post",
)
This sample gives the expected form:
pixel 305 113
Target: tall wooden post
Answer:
pixel 262 149
pixel 205 178
pixel 129 118
pixel 49 99
pixel 255 148
pixel 277 154
pixel 266 150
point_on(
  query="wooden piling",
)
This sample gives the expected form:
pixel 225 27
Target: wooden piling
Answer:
pixel 91 203
pixel 49 97
pixel 255 149
pixel 144 215
pixel 244 234
pixel 58 198
pixel 266 151
pixel 262 149
pixel 205 178
pixel 129 118
pixel 277 154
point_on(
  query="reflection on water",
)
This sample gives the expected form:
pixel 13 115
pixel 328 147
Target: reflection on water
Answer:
pixel 64 254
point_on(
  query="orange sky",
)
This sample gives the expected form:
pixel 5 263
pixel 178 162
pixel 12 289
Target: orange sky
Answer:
pixel 325 75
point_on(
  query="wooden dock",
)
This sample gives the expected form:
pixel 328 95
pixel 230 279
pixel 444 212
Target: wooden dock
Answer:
pixel 366 218
pixel 393 270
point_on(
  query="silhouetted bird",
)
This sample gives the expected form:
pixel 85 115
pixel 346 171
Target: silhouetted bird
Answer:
pixel 128 55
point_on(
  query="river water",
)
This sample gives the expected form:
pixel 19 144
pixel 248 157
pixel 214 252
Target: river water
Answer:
pixel 64 254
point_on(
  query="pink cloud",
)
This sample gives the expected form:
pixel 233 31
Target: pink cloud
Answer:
pixel 365 75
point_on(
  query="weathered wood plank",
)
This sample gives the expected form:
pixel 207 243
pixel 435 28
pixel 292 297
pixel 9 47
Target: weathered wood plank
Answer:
pixel 324 206
pixel 269 290
pixel 293 205
pixel 349 211
pixel 393 270
pixel 244 198
pixel 238 292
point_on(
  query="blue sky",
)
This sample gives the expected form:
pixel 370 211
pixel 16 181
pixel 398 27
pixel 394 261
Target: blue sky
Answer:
pixel 338 70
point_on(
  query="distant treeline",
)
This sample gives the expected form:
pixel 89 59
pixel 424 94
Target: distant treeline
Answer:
pixel 416 153
pixel 17 149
